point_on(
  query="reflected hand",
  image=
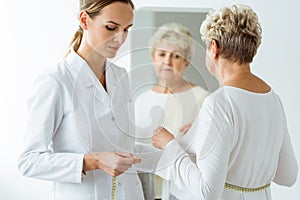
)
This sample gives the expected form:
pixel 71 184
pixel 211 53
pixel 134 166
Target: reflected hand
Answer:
pixel 185 128
pixel 112 163
pixel 161 137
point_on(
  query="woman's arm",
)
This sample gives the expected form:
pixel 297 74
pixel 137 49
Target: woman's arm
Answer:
pixel 287 168
pixel 45 115
pixel 212 139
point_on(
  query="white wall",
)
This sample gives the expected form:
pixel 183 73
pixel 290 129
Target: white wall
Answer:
pixel 35 34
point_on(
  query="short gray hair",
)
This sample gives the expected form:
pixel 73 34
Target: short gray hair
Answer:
pixel 236 30
pixel 175 35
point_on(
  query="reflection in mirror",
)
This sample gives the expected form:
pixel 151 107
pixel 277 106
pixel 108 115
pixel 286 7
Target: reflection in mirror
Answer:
pixel 146 22
pixel 169 82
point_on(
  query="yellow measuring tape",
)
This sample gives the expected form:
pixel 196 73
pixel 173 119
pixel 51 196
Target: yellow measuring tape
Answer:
pixel 242 189
pixel 114 187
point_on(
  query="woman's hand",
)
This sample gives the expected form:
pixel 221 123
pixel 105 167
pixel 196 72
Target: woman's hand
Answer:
pixel 185 128
pixel 161 137
pixel 112 163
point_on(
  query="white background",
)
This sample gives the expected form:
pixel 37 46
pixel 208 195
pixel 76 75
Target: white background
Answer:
pixel 34 35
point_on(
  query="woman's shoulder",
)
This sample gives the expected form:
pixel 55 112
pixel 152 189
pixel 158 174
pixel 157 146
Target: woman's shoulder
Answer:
pixel 57 71
pixel 218 96
pixel 145 95
pixel 52 78
pixel 45 85
pixel 200 93
pixel 52 74
pixel 201 90
pixel 149 97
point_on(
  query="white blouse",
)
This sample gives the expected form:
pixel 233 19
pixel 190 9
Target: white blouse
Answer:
pixel 240 138
pixel 171 111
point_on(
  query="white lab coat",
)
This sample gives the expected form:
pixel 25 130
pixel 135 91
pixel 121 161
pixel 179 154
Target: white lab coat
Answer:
pixel 71 114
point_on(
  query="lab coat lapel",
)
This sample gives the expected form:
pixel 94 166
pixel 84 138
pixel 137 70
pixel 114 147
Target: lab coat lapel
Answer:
pixel 91 105
pixel 108 133
pixel 92 113
pixel 111 78
pixel 101 117
pixel 119 92
pixel 101 96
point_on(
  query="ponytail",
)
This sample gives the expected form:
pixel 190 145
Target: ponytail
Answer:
pixel 93 8
pixel 76 40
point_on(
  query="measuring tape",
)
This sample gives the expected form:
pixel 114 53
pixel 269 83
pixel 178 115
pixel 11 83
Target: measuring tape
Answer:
pixel 114 187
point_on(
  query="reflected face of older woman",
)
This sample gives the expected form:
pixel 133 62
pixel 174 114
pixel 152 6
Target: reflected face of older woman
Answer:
pixel 169 61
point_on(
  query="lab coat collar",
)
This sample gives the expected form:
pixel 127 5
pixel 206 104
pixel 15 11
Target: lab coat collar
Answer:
pixel 77 65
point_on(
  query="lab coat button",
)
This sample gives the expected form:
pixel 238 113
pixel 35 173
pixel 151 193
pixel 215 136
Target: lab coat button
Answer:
pixel 113 119
pixel 119 184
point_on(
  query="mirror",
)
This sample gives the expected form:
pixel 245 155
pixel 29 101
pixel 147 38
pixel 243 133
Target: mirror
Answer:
pixel 147 20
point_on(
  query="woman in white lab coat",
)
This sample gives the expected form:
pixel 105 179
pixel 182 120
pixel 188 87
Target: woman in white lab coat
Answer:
pixel 79 132
pixel 240 136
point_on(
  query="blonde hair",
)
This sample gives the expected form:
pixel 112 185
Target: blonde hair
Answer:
pixel 92 8
pixel 176 35
pixel 236 30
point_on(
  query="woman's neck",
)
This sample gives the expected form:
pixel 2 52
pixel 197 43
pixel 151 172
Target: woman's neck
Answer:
pixel 93 59
pixel 240 76
pixel 173 86
pixel 230 72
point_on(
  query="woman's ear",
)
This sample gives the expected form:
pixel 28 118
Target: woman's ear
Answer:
pixel 152 55
pixel 214 48
pixel 187 63
pixel 83 17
